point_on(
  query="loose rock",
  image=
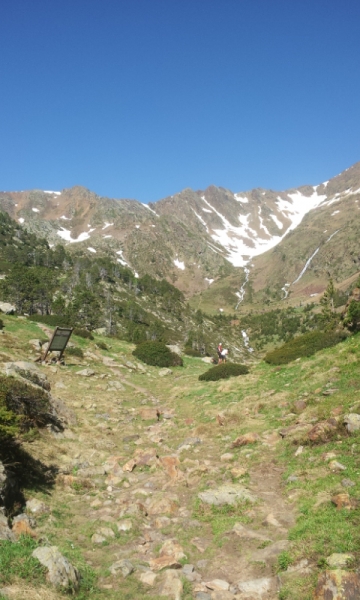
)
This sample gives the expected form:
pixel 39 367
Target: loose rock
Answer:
pixel 61 572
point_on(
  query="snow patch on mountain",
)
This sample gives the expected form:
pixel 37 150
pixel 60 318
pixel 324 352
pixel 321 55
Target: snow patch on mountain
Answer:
pixel 242 199
pixel 65 234
pixel 278 223
pixel 179 264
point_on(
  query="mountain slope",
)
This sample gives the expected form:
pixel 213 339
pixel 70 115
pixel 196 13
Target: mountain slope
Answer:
pixel 197 237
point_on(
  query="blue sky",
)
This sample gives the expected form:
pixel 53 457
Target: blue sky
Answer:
pixel 143 98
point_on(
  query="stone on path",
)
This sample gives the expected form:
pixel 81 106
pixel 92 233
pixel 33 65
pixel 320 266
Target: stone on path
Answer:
pixel 86 373
pixel 170 465
pixel 261 587
pixel 148 577
pixel 124 566
pixel 61 572
pixel 247 438
pixel 161 505
pixel 171 586
pixel 229 493
pixel 36 507
pixel 338 585
pixel 124 525
pixel 217 584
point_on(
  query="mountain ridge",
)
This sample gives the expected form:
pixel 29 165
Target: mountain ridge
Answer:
pixel 195 238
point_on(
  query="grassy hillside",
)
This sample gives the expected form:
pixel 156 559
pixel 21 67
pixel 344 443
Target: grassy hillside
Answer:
pixel 138 464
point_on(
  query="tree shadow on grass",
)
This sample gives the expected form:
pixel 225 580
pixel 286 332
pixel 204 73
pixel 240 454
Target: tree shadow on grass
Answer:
pixel 22 471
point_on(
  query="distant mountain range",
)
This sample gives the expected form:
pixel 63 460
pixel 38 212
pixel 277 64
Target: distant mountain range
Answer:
pixel 265 244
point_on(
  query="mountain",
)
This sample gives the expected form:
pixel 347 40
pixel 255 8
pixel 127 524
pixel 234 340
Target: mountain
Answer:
pixel 282 241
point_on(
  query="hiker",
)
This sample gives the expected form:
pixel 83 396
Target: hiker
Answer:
pixel 220 353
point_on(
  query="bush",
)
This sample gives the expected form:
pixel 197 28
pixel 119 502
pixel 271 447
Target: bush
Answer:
pixel 224 371
pixel 304 345
pixel 157 354
pixel 102 346
pixel 74 351
pixel 51 320
pixel 22 407
pixel 192 352
pixel 84 333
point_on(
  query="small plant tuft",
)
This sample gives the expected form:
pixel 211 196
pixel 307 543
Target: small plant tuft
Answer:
pixel 75 351
pixel 224 371
pixel 84 333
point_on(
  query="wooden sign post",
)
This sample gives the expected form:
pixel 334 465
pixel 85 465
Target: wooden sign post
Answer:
pixel 59 341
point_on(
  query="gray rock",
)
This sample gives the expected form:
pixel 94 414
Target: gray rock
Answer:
pixel 352 422
pixel 5 531
pixel 171 585
pixel 61 572
pixel 124 566
pixel 229 493
pixel 188 569
pixel 191 441
pixel 202 596
pixel 164 372
pixel 261 586
pixel 36 507
pixel 86 373
pixel 7 308
pixel 347 482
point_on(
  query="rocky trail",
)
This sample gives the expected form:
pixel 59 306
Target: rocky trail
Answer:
pixel 154 492
pixel 141 493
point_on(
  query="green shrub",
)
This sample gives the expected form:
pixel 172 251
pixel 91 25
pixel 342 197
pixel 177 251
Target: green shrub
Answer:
pixel 192 352
pixel 224 371
pixel 51 320
pixel 74 351
pixel 304 345
pixel 22 407
pixel 157 354
pixel 102 345
pixel 84 333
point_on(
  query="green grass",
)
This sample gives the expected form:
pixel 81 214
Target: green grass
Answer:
pixel 16 562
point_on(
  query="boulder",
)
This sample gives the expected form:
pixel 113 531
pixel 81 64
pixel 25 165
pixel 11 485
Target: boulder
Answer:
pixel 352 422
pixel 164 372
pixel 171 586
pixel 61 572
pixel 7 308
pixel 338 585
pixel 86 373
pixel 230 493
pixel 123 566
